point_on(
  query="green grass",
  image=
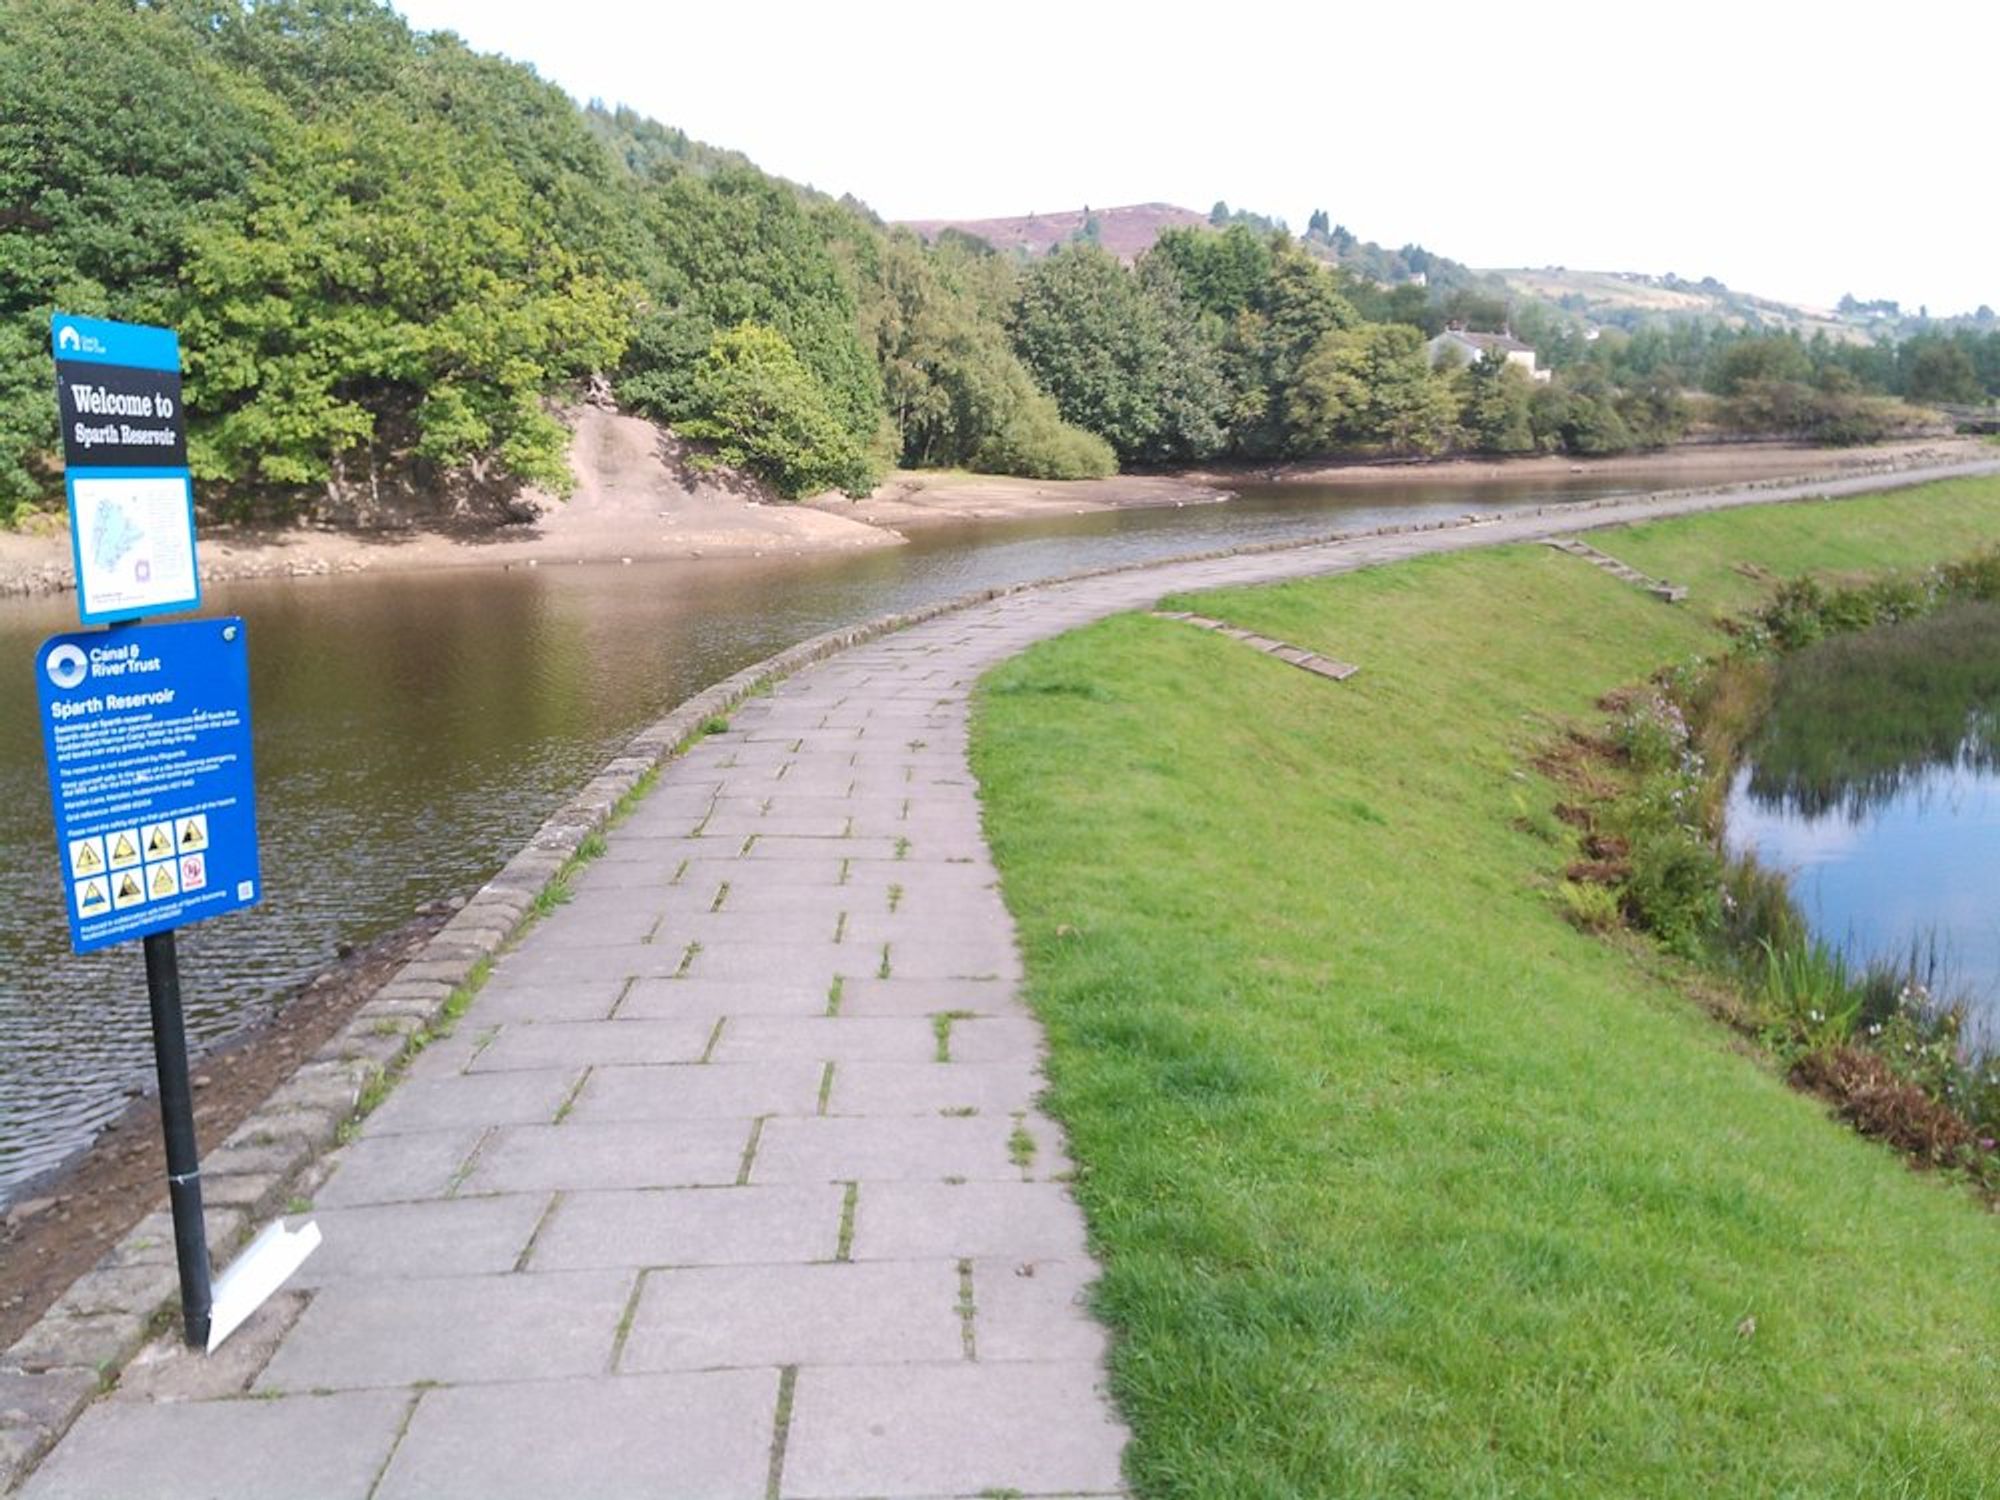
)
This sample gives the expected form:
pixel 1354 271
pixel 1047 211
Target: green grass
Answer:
pixel 1403 1185
pixel 1899 528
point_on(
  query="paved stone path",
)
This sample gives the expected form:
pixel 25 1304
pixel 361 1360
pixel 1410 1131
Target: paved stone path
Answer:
pixel 730 1182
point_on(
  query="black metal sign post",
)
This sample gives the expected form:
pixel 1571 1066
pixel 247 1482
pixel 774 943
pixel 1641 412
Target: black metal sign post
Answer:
pixel 131 510
pixel 163 993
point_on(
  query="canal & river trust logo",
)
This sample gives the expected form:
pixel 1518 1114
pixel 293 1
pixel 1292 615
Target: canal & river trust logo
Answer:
pixel 67 666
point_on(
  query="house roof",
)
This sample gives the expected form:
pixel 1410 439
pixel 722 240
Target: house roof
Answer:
pixel 1485 343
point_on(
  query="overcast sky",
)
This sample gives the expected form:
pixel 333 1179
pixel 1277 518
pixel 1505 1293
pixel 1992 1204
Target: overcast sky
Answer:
pixel 1794 150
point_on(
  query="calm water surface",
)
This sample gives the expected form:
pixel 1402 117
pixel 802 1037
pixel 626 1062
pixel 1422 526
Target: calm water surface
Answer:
pixel 413 731
pixel 1919 864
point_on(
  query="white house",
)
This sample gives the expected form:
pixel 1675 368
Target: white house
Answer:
pixel 1467 347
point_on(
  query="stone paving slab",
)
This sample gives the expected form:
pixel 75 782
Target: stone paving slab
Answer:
pixel 440 1237
pixel 1036 1309
pixel 662 1437
pixel 1015 1221
pixel 929 997
pixel 453 1330
pixel 887 1089
pixel 397 1168
pixel 564 1044
pixel 474 1100
pixel 327 1447
pixel 552 1000
pixel 961 1429
pixel 708 1000
pixel 794 1224
pixel 917 1148
pixel 887 1312
pixel 625 1154
pixel 827 1038
pixel 791 963
pixel 699 1091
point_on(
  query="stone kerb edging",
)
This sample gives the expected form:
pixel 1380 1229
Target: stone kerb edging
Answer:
pixel 86 1338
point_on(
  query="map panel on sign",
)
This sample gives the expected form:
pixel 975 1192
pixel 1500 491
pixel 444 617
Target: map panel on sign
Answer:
pixel 134 543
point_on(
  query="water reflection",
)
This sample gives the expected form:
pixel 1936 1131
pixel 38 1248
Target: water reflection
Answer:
pixel 1876 784
pixel 1857 720
pixel 412 731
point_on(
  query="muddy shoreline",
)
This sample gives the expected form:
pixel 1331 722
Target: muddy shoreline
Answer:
pixel 631 505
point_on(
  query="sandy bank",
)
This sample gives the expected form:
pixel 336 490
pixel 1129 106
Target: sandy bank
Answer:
pixel 911 498
pixel 637 498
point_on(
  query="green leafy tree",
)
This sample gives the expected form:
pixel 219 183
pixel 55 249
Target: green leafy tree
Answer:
pixel 740 247
pixel 1370 386
pixel 1495 398
pixel 1121 358
pixel 1762 358
pixel 386 290
pixel 118 136
pixel 755 403
pixel 1941 371
pixel 957 393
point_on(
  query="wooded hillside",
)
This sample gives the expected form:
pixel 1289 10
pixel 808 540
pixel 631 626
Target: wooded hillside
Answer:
pixel 391 259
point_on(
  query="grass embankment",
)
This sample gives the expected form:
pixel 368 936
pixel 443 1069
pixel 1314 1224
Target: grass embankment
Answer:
pixel 1403 1185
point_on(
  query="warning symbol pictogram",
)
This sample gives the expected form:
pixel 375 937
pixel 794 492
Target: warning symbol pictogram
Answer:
pixel 91 896
pixel 158 840
pixel 193 834
pixel 194 873
pixel 125 849
pixel 162 880
pixel 86 856
pixel 127 890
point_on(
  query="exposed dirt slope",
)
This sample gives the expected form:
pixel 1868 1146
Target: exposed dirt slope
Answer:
pixel 636 497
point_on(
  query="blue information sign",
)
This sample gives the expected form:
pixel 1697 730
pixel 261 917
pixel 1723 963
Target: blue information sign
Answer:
pixel 147 732
pixel 124 435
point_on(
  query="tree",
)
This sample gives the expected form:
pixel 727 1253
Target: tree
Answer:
pixel 386 286
pixel 740 247
pixel 753 399
pixel 1941 371
pixel 1495 397
pixel 957 394
pixel 118 136
pixel 1117 359
pixel 1758 358
pixel 1367 386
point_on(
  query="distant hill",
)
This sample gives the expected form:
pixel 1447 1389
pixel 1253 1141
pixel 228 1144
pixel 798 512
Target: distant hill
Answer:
pixel 1595 299
pixel 1631 299
pixel 1126 232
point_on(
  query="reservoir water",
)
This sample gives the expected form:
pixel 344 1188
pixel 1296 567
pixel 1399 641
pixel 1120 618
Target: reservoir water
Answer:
pixel 413 730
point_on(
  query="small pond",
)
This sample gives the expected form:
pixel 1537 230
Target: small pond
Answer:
pixel 1875 783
